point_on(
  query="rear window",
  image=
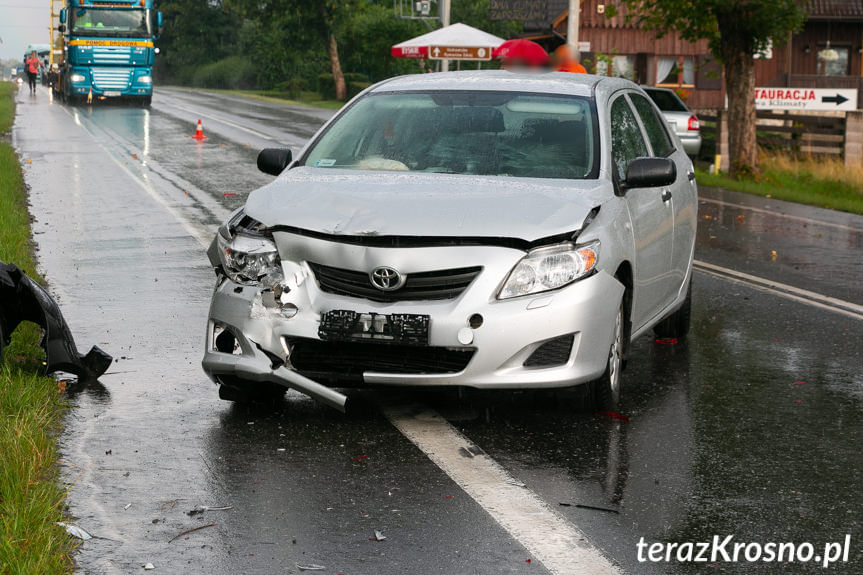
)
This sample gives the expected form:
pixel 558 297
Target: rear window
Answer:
pixel 464 132
pixel 667 101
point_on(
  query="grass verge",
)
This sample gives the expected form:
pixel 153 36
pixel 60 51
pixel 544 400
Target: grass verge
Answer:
pixel 822 182
pixel 31 409
pixel 312 99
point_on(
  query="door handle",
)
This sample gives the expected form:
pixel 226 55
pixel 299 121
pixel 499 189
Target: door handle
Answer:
pixel 666 195
pixel 691 176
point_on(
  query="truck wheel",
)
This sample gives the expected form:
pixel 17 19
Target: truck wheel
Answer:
pixel 146 101
pixel 604 393
pixel 677 324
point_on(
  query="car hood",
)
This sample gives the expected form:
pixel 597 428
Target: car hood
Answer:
pixel 358 203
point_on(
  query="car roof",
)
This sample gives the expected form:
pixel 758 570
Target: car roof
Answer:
pixel 504 81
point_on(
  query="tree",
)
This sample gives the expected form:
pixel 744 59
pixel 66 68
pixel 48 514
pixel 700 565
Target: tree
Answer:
pixel 736 31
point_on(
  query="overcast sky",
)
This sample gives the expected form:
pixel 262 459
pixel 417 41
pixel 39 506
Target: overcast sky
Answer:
pixel 23 22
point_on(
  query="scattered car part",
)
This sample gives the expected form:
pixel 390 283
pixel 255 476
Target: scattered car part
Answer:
pixel 22 299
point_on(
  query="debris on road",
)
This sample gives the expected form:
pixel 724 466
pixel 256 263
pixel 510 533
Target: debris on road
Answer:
pixel 127 506
pixel 310 567
pixel 515 483
pixel 613 415
pixel 22 299
pixel 148 566
pixel 75 531
pixel 592 507
pixel 187 531
pixel 202 508
pixel 378 536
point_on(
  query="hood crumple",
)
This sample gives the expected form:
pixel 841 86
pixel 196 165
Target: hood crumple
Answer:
pixel 358 203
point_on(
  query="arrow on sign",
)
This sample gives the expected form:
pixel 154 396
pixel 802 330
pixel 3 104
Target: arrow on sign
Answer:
pixel 838 99
pixel 436 51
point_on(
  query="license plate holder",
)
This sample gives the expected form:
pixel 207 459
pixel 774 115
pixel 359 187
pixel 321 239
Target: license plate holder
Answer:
pixel 112 94
pixel 396 328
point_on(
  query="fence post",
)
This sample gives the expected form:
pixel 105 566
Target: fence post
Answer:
pixel 722 140
pixel 854 138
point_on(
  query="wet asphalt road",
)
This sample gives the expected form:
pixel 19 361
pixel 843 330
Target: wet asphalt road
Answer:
pixel 749 428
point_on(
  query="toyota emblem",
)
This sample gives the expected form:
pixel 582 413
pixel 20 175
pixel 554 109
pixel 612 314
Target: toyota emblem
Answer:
pixel 386 279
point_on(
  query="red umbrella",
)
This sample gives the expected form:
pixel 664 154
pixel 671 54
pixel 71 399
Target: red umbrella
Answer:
pixel 521 51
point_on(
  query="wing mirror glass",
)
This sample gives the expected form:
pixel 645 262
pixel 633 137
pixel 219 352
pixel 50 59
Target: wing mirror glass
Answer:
pixel 650 173
pixel 273 161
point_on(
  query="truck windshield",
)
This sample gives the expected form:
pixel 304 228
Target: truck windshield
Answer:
pixel 112 23
pixel 464 132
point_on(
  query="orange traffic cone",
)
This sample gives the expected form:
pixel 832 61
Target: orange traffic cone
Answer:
pixel 199 133
pixel 90 96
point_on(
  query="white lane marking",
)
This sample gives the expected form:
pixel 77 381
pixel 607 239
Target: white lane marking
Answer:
pixel 801 295
pixel 780 214
pixel 558 544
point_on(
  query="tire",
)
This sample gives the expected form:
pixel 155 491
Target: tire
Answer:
pixel 146 101
pixel 677 324
pixel 604 393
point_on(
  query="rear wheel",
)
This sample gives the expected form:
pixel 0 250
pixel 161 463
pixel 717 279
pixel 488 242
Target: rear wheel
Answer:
pixel 604 393
pixel 677 324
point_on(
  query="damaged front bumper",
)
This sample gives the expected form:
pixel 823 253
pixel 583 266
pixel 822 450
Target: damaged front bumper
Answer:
pixel 290 337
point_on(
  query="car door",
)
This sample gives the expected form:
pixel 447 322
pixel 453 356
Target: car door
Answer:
pixel 683 191
pixel 649 211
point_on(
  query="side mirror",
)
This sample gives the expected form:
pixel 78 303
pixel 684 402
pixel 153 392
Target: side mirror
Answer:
pixel 63 16
pixel 650 173
pixel 273 161
pixel 159 20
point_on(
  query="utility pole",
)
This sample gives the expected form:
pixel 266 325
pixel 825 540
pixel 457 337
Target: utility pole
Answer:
pixel 444 7
pixel 572 24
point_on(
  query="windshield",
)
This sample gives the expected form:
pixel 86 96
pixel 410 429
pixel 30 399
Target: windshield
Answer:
pixel 115 23
pixel 461 132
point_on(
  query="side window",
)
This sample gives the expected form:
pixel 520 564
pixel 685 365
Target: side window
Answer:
pixel 654 125
pixel 626 140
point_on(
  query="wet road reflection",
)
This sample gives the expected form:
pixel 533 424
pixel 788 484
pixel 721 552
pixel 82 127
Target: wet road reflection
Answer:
pixel 751 427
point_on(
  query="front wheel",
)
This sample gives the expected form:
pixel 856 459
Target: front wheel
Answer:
pixel 604 393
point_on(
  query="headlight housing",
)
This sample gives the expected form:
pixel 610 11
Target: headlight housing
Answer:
pixel 77 78
pixel 145 79
pixel 248 259
pixel 550 268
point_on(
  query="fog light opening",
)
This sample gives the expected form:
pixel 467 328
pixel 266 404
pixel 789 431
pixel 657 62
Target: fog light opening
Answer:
pixel 475 321
pixel 225 342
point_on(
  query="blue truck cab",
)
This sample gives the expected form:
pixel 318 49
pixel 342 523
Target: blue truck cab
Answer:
pixel 108 50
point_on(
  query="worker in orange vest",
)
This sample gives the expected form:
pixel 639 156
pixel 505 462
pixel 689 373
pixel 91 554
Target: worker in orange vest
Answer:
pixel 565 60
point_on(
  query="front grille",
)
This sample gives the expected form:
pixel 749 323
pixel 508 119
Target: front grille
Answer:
pixel 105 55
pixel 111 78
pixel 346 361
pixel 551 353
pixel 441 284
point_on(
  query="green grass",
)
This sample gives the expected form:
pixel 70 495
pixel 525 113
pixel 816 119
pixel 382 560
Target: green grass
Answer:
pixel 7 105
pixel 312 99
pixel 810 182
pixel 31 409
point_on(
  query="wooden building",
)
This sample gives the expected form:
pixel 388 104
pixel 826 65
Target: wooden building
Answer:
pixel 827 53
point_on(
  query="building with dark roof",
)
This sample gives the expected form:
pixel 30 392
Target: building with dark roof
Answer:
pixel 827 53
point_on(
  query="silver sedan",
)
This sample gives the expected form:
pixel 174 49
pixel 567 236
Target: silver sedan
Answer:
pixel 481 229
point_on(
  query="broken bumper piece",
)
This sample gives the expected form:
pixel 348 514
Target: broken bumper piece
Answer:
pixel 22 299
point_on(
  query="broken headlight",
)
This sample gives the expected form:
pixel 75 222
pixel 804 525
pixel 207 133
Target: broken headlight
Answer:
pixel 549 268
pixel 248 259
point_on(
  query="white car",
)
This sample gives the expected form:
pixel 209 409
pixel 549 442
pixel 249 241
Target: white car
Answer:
pixel 481 229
